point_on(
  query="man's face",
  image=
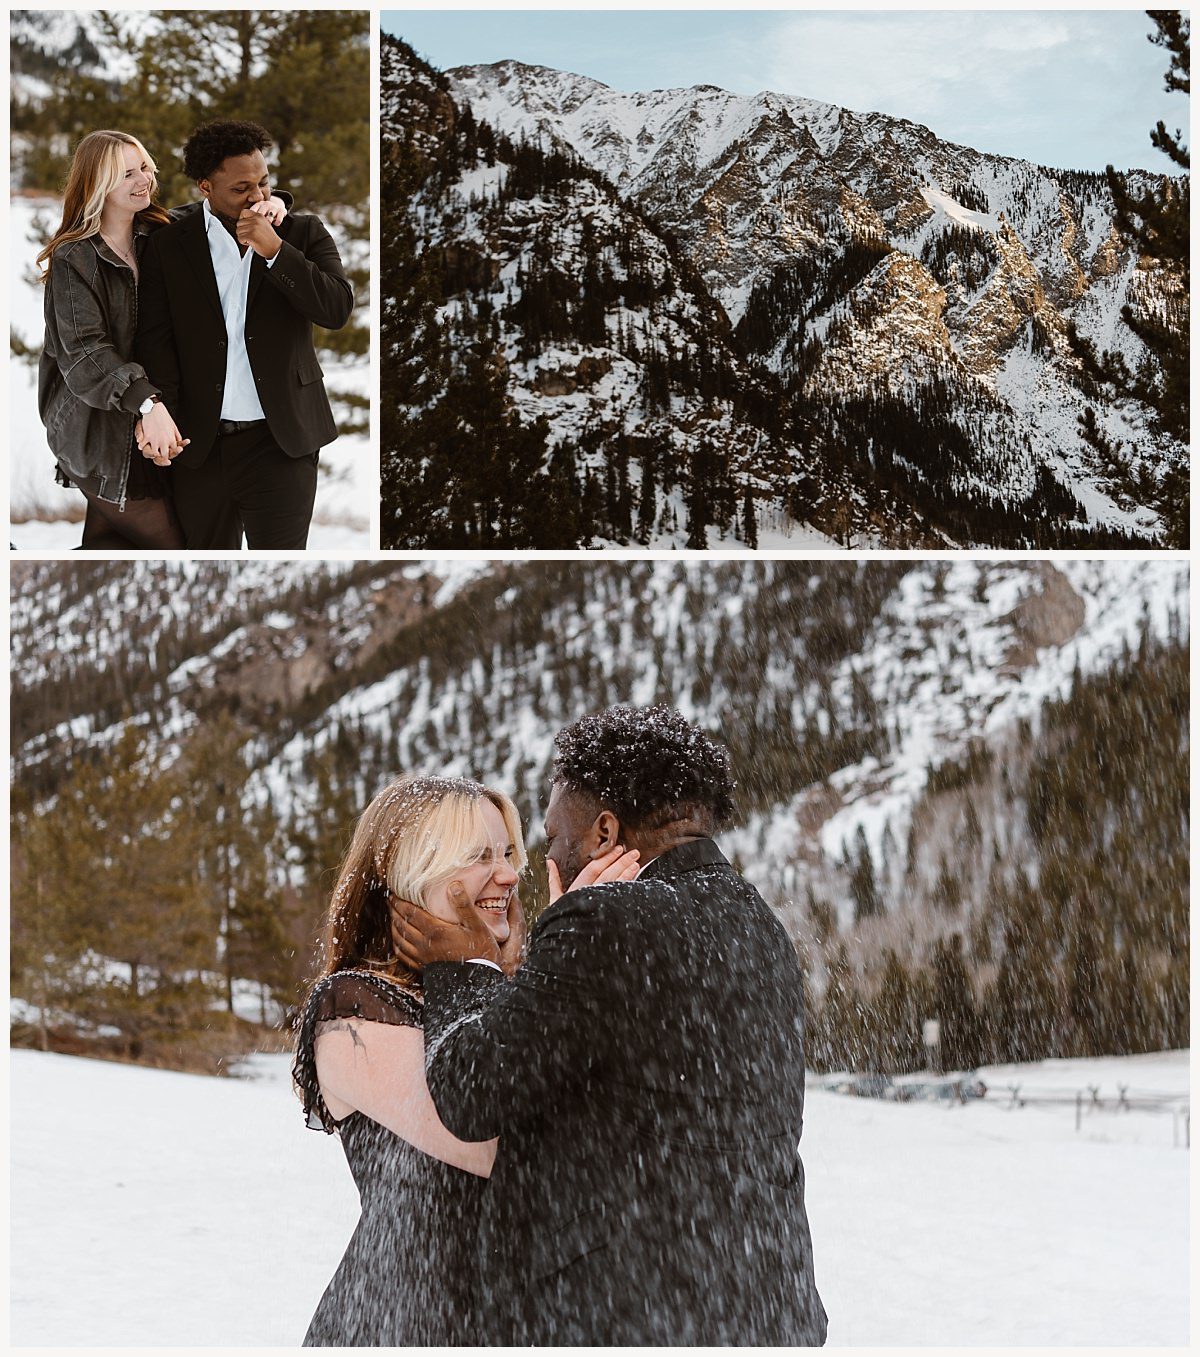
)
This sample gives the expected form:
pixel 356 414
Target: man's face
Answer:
pixel 237 183
pixel 572 839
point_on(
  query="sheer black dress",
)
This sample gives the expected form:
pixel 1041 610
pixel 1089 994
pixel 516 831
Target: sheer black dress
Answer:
pixel 410 1275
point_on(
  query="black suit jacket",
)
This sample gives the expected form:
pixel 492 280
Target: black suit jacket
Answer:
pixel 181 339
pixel 644 1070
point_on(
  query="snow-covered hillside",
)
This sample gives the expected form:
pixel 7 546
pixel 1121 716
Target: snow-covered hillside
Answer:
pixel 153 1209
pixel 960 653
pixel 749 182
pixel 938 654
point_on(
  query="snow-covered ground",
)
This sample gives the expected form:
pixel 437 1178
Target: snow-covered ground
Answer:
pixel 47 517
pixel 154 1208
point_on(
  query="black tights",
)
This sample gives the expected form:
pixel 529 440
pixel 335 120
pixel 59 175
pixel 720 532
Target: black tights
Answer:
pixel 143 525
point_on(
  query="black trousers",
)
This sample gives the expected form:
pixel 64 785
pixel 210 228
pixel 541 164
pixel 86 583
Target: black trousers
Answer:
pixel 247 484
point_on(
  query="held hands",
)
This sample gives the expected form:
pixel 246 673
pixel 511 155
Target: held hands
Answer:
pixel 158 436
pixel 421 938
pixel 615 865
pixel 272 208
pixel 256 231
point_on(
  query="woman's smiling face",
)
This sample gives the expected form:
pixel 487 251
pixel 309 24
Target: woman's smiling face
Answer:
pixel 133 192
pixel 489 880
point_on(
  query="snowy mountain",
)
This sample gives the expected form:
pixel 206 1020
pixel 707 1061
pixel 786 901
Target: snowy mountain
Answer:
pixel 885 319
pixel 840 688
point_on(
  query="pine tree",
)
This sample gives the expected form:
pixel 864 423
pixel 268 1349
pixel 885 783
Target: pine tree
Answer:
pixel 862 880
pixel 749 521
pixel 129 866
pixel 233 859
pixel 1156 222
pixel 954 1006
pixel 303 74
pixel 45 936
pixel 322 832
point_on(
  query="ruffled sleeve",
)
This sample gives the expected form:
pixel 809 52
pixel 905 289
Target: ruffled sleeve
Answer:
pixel 346 994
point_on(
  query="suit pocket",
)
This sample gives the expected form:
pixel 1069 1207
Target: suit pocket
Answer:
pixel 310 372
pixel 586 1233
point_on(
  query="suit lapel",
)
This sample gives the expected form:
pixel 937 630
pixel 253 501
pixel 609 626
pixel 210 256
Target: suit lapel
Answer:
pixel 258 266
pixel 194 243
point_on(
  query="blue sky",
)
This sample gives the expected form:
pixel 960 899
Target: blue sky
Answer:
pixel 1070 88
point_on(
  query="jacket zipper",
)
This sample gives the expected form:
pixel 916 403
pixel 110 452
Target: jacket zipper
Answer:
pixel 125 481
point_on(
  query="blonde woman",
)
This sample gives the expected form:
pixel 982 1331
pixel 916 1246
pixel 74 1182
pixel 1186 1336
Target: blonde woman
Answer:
pixel 410 1275
pixel 91 394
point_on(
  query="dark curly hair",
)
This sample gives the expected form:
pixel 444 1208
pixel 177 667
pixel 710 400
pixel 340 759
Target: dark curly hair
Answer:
pixel 647 765
pixel 213 143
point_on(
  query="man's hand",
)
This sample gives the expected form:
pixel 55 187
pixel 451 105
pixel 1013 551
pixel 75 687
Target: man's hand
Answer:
pixel 421 938
pixel 272 208
pixel 615 865
pixel 255 230
pixel 139 437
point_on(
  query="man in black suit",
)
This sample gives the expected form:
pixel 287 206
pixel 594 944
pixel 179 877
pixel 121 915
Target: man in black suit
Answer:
pixel 644 1067
pixel 227 303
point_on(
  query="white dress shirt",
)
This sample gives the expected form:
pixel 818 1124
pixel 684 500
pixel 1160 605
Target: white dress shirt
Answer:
pixel 232 268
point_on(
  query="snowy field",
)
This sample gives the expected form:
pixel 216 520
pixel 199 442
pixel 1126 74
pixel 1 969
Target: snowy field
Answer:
pixel 153 1208
pixel 46 517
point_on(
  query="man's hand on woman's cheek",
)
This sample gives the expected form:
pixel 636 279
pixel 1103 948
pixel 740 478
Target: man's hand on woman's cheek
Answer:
pixel 421 938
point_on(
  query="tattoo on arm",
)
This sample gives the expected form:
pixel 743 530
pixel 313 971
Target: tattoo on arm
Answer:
pixel 342 1025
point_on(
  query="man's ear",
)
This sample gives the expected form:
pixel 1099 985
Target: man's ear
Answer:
pixel 204 186
pixel 607 831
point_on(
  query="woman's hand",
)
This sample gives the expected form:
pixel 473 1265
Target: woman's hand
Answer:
pixel 160 438
pixel 272 208
pixel 139 435
pixel 615 865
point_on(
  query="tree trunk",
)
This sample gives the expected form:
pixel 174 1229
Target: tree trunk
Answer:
pixel 245 25
pixel 43 1025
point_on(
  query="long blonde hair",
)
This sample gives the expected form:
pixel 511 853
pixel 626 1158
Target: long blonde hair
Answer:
pixel 417 831
pixel 97 167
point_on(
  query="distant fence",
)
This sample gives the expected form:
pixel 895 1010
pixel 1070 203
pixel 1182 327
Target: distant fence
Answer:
pixel 959 1088
pixel 1126 1099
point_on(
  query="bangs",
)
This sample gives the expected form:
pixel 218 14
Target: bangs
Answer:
pixel 452 836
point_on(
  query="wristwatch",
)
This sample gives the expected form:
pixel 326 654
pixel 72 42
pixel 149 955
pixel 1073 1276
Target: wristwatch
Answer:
pixel 148 404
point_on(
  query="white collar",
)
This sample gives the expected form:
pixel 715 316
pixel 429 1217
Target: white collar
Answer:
pixel 211 219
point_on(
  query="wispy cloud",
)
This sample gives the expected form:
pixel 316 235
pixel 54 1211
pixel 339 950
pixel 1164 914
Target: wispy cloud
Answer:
pixel 1059 87
pixel 1072 88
